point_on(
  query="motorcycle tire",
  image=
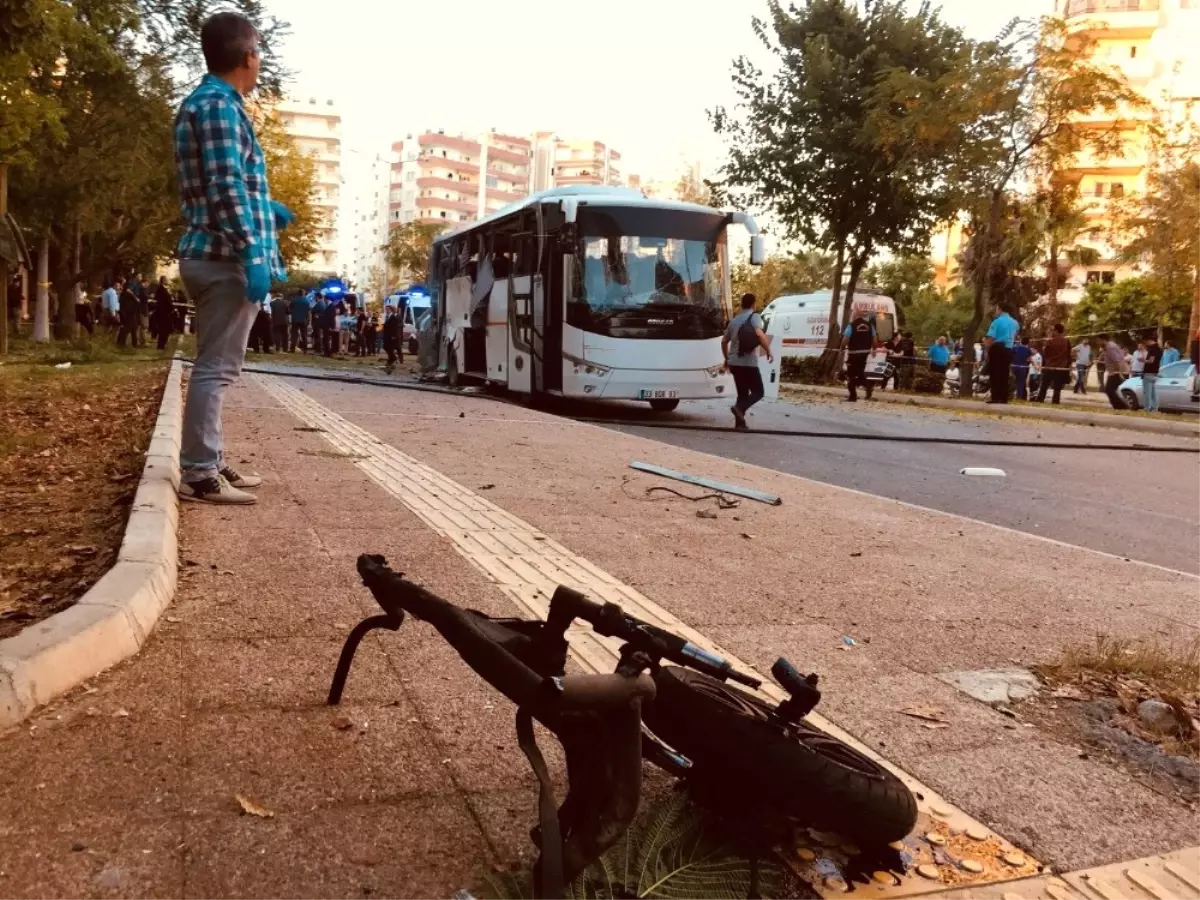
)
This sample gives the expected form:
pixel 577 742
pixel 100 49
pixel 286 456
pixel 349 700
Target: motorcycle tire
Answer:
pixel 797 770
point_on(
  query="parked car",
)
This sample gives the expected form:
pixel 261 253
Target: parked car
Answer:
pixel 1176 389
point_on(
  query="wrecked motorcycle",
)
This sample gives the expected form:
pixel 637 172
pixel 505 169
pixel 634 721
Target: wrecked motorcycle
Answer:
pixel 738 753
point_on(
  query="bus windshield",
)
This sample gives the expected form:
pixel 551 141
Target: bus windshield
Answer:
pixel 652 286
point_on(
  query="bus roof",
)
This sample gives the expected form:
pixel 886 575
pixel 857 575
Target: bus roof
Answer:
pixel 585 194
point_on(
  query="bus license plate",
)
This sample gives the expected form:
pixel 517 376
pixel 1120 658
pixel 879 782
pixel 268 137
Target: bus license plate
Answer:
pixel 657 395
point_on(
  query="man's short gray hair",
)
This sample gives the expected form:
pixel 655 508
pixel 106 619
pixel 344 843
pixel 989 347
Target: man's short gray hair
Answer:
pixel 225 39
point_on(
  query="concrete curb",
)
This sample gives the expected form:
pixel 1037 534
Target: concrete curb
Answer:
pixel 111 622
pixel 1183 428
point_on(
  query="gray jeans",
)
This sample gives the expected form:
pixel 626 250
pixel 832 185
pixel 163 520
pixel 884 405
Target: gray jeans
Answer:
pixel 222 324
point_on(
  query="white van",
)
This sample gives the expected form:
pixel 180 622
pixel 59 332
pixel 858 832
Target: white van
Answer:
pixel 801 321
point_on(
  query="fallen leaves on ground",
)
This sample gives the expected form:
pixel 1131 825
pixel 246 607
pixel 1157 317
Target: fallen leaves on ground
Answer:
pixel 71 445
pixel 250 808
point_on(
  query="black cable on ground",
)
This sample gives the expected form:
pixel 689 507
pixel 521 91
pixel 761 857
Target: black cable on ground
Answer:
pixel 772 432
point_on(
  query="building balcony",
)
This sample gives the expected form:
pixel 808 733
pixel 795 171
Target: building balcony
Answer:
pixel 508 156
pixel 517 178
pixel 436 203
pixel 462 145
pixel 1113 18
pixel 425 163
pixel 446 184
pixel 1090 162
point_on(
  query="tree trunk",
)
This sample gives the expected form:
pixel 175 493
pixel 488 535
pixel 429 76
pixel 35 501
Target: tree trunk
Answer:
pixel 1052 274
pixel 833 337
pixel 65 286
pixel 41 313
pixel 857 262
pixel 982 277
pixel 1194 318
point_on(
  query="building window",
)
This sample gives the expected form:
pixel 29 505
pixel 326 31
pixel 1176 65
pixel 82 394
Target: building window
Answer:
pixel 331 146
pixel 1133 52
pixel 409 176
pixel 442 214
pixel 1095 276
pixel 1116 190
pixel 462 217
pixel 492 181
pixel 395 215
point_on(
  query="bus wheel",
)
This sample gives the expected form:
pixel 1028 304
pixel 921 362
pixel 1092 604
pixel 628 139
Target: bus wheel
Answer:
pixel 664 405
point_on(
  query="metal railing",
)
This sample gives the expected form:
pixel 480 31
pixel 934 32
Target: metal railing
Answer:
pixel 1083 7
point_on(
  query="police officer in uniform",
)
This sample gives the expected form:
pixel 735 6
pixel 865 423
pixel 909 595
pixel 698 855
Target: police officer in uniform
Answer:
pixel 858 340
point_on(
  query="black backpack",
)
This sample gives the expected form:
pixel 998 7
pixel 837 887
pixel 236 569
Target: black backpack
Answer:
pixel 747 337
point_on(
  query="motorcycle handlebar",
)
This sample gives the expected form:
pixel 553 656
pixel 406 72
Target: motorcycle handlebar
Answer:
pixel 611 620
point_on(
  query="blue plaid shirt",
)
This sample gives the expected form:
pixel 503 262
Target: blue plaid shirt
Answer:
pixel 223 180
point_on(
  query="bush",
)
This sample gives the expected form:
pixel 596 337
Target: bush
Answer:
pixel 801 370
pixel 927 382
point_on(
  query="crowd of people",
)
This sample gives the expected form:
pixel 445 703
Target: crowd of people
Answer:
pixel 331 326
pixel 1008 363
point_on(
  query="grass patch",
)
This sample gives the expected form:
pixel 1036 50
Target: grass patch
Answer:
pixel 1172 667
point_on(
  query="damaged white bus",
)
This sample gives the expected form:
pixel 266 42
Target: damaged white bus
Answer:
pixel 588 292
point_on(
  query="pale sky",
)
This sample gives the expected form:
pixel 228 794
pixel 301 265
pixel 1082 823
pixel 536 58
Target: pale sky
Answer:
pixel 637 74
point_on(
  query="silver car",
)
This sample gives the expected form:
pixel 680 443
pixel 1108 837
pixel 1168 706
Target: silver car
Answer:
pixel 1176 386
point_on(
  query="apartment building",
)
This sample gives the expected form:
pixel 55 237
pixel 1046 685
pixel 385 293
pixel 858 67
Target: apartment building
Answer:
pixel 1152 43
pixel 316 127
pixel 369 222
pixel 558 163
pixel 439 177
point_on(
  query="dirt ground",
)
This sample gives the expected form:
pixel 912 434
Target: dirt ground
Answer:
pixel 71 445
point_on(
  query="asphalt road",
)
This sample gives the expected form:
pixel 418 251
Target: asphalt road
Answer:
pixel 1144 506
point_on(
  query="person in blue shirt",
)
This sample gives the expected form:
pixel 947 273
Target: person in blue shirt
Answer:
pixel 939 356
pixel 1021 355
pixel 1001 336
pixel 1170 354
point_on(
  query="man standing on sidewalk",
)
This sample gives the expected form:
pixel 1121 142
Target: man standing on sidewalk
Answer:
pixel 939 356
pixel 1056 365
pixel 279 322
pixel 1083 362
pixel 1116 368
pixel 858 340
pixel 1021 355
pixel 1170 353
pixel 740 345
pixel 229 254
pixel 299 314
pixel 1150 367
pixel 1002 334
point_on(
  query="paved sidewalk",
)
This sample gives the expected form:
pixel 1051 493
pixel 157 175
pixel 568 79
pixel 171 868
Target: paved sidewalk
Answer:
pixel 427 789
pixel 1186 426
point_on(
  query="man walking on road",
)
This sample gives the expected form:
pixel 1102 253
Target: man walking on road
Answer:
pixel 1113 357
pixel 858 340
pixel 1150 367
pixel 743 338
pixel 1002 334
pixel 1083 362
pixel 1056 365
pixel 393 338
pixel 229 254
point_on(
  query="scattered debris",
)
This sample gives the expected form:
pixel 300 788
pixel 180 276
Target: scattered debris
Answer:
pixel 485 487
pixel 78 846
pixel 109 879
pixel 848 642
pixel 342 723
pixel 928 714
pixel 856 553
pixel 63 365
pixel 994 685
pixel 1159 717
pixel 121 714
pixel 705 514
pixel 250 808
pixel 748 537
pixel 309 428
pixel 983 471
pixel 332 454
pixel 748 493
pixel 1068 692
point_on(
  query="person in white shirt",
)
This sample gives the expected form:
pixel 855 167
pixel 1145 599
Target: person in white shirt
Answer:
pixel 1137 362
pixel 1035 372
pixel 1083 362
pixel 110 306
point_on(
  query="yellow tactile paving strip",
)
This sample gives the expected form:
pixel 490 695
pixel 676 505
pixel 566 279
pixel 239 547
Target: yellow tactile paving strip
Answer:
pixel 528 565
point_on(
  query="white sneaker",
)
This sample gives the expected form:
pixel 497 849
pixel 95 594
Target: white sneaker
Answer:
pixel 215 490
pixel 238 480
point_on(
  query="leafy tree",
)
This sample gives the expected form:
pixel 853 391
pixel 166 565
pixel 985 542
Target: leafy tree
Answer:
pixel 905 279
pixel 292 175
pixel 690 189
pixel 1023 106
pixel 827 142
pixel 409 246
pixel 779 275
pixel 172 29
pixel 1159 231
pixel 929 316
pixel 1065 222
pixel 31 43
pixel 1128 307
